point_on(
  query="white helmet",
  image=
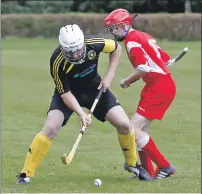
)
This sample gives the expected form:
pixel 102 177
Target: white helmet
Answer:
pixel 72 43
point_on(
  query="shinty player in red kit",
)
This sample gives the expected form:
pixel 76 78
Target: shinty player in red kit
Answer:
pixel 149 61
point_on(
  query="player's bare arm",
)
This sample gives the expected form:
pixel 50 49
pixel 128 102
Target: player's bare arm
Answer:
pixel 114 50
pixel 125 83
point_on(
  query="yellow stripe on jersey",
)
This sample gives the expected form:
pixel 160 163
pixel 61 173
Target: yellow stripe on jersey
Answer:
pixel 69 69
pixel 55 73
pixel 65 63
pixel 54 66
pixel 95 40
pixel 110 46
pixel 60 88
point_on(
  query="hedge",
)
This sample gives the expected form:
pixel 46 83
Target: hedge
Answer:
pixel 162 26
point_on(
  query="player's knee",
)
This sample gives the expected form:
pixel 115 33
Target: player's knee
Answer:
pixel 51 129
pixel 139 134
pixel 124 127
pixel 145 129
pixel 136 124
pixel 138 121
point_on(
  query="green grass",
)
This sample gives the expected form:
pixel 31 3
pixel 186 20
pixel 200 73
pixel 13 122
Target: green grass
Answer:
pixel 26 93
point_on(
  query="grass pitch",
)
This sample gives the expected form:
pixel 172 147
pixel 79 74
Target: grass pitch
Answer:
pixel 26 93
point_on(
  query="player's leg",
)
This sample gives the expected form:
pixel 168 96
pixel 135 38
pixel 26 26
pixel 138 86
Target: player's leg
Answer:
pixel 142 125
pixel 58 115
pixel 145 159
pixel 149 149
pixel 146 143
pixel 155 100
pixel 117 117
pixel 109 109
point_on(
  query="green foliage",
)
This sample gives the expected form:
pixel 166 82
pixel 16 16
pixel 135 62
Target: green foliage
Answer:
pixel 196 6
pixel 36 7
pixel 163 26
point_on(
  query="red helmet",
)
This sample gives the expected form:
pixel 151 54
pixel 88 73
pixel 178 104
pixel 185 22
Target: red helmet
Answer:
pixel 118 23
pixel 118 16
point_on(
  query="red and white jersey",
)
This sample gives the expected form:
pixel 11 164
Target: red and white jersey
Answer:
pixel 146 55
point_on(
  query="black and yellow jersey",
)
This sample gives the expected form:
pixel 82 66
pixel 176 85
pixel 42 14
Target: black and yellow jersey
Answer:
pixel 79 78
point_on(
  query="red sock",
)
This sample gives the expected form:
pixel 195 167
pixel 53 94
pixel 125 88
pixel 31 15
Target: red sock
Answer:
pixel 156 156
pixel 146 162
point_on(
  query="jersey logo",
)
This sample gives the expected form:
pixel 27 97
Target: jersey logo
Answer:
pixel 85 72
pixel 91 54
pixel 141 108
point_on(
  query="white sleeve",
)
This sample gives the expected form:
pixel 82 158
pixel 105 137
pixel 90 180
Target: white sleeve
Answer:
pixel 144 67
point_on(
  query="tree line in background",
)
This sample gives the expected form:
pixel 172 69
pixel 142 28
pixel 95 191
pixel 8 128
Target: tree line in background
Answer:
pixel 100 6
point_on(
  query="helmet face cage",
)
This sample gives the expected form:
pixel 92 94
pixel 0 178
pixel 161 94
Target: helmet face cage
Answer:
pixel 75 57
pixel 119 31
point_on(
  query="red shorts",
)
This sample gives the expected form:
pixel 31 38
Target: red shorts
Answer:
pixel 156 98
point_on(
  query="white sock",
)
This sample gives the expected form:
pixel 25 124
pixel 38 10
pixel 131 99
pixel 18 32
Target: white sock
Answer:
pixel 142 142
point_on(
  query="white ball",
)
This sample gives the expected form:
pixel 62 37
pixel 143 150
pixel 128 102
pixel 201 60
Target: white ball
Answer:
pixel 97 182
pixel 186 49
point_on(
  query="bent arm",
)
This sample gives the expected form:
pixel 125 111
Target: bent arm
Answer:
pixel 70 100
pixel 135 76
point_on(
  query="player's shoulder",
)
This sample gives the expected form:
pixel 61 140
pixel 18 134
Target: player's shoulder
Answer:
pixel 57 59
pixel 139 38
pixel 95 43
pixel 94 40
pixel 133 40
pixel 133 36
pixel 144 37
pixel 56 54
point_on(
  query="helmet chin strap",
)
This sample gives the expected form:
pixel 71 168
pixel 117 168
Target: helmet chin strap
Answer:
pixel 120 39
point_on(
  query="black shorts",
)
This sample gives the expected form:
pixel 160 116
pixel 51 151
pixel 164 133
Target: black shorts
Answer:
pixel 106 102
